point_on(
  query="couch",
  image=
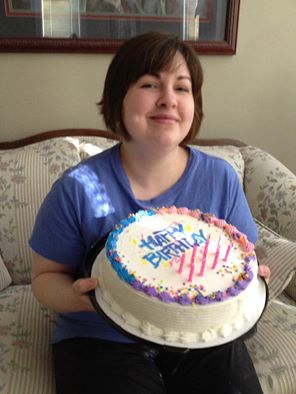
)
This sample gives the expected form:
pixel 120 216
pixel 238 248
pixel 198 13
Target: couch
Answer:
pixel 28 168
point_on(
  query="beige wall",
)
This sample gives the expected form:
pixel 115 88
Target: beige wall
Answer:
pixel 250 96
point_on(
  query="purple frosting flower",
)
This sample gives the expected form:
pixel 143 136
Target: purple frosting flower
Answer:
pixel 250 276
pixel 243 284
pixel 201 300
pixel 249 258
pixel 165 297
pixel 219 296
pixel 233 291
pixel 151 291
pixel 184 300
pixel 138 285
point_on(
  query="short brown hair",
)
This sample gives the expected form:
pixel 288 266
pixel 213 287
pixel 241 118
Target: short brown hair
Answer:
pixel 149 53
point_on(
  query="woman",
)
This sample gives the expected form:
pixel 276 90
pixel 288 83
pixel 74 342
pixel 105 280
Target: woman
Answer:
pixel 152 100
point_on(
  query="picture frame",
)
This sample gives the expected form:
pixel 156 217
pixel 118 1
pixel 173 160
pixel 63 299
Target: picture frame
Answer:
pixel 22 27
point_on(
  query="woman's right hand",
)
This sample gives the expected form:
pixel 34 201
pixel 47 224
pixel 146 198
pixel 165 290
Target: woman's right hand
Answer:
pixel 82 286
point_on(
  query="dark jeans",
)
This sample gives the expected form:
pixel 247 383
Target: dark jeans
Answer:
pixel 91 366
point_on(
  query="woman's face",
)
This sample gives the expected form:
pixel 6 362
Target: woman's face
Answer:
pixel 158 109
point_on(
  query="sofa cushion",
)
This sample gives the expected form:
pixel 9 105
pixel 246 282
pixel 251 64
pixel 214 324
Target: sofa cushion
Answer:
pixel 25 353
pixel 26 175
pixel 272 349
pixel 291 288
pixel 279 254
pixel 5 278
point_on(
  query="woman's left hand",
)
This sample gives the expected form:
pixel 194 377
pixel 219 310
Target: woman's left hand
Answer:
pixel 264 271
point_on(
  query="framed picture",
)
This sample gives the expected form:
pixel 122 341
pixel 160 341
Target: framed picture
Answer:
pixel 100 26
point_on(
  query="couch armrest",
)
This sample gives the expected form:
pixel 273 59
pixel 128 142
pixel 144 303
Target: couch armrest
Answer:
pixel 270 188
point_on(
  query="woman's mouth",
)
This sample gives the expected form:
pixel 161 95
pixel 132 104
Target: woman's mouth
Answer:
pixel 164 118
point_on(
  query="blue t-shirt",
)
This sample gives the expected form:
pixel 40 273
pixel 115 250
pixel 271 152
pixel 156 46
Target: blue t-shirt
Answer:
pixel 90 198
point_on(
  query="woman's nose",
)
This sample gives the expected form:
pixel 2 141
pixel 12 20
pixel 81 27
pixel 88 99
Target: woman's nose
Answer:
pixel 167 98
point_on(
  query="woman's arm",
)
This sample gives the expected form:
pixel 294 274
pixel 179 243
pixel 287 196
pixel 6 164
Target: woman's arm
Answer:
pixel 54 287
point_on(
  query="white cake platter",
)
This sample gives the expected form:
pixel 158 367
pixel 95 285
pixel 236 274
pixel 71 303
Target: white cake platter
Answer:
pixel 114 318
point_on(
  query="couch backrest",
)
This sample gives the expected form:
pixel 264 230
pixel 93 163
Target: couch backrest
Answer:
pixel 26 175
pixel 270 189
pixel 92 145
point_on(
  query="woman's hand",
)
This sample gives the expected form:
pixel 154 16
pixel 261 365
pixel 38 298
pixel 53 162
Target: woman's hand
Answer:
pixel 82 286
pixel 264 271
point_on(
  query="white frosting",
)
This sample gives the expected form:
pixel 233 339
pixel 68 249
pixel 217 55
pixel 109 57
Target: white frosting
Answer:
pixel 208 334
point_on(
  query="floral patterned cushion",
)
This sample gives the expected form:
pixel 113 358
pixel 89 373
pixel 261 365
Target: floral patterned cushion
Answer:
pixel 26 175
pixel 5 278
pixel 279 254
pixel 271 191
pixel 270 188
pixel 25 353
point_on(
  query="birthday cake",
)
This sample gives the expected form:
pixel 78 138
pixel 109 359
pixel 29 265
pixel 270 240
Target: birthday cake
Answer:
pixel 173 275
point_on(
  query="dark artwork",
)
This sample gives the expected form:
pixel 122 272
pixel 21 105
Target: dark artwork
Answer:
pixel 115 19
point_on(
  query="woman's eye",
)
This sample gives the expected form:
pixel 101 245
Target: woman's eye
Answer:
pixel 183 89
pixel 148 85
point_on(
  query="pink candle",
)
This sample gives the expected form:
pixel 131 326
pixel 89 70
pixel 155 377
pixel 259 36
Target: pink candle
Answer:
pixel 204 257
pixel 192 260
pixel 207 245
pixel 216 258
pixel 203 266
pixel 191 273
pixel 182 261
pixel 227 251
pixel 193 255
